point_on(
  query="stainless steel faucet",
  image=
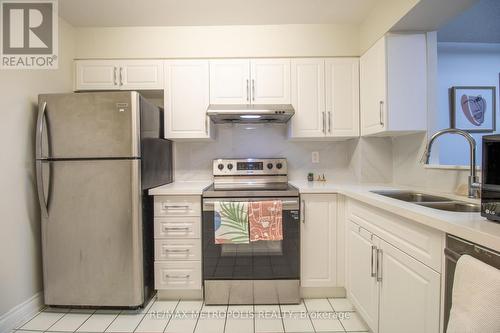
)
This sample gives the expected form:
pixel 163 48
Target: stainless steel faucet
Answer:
pixel 474 185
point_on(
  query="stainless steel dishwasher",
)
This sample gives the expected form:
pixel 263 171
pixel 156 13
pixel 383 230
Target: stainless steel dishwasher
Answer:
pixel 455 248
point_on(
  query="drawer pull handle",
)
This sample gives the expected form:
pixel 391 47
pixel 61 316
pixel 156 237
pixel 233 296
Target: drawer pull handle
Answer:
pixel 185 276
pixel 176 206
pixel 379 265
pixel 374 253
pixel 177 250
pixel 176 228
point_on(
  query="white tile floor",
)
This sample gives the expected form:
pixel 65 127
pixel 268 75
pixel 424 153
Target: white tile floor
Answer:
pixel 312 315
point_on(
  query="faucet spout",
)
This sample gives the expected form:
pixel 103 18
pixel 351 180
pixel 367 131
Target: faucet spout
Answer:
pixel 474 185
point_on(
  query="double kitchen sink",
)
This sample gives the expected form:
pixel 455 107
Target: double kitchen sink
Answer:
pixel 431 201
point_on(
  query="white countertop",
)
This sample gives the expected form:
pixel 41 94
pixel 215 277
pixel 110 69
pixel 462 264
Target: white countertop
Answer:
pixel 181 188
pixel 470 226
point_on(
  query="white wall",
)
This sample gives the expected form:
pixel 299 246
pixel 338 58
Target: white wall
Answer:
pixel 464 64
pixel 363 160
pixel 294 40
pixel 20 252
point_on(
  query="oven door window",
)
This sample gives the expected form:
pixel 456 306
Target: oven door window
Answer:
pixel 261 260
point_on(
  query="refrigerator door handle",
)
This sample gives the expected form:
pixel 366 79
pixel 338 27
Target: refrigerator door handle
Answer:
pixel 40 189
pixel 39 130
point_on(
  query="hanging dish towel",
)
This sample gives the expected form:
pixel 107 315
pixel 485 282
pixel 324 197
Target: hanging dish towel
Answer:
pixel 231 222
pixel 265 218
pixel 476 298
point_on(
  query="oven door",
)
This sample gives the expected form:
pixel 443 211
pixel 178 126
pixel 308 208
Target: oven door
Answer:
pixel 265 267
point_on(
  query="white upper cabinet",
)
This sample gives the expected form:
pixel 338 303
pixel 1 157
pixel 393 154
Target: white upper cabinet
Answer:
pixel 186 98
pixel 96 75
pixel 342 97
pixel 141 75
pixel 230 81
pixel 325 96
pixel 119 75
pixel 270 81
pixel 393 85
pixel 318 232
pixel 308 98
pixel 243 81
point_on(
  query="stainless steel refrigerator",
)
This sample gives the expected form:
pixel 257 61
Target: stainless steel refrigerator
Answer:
pixel 96 156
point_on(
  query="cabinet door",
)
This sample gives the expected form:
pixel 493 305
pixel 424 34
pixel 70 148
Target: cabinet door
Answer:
pixel 342 97
pixel 373 85
pixel 96 75
pixel 270 81
pixel 186 99
pixel 308 98
pixel 409 293
pixel 362 285
pixel 141 74
pixel 230 81
pixel 318 241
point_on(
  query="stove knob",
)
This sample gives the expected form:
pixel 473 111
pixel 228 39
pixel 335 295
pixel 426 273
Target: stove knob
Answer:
pixel 279 165
pixel 220 166
pixel 269 165
pixel 230 166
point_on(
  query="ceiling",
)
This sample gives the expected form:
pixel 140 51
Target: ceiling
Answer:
pixel 110 13
pixel 478 24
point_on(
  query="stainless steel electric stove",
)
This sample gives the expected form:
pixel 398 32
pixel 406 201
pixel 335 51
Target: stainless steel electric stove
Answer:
pixel 260 272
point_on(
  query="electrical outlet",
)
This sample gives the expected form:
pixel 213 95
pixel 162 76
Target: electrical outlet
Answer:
pixel 315 157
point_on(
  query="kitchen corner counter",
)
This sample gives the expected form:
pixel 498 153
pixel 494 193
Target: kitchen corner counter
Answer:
pixel 470 226
pixel 181 188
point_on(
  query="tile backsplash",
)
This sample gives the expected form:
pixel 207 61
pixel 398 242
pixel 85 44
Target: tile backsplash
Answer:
pixel 193 160
pixel 340 161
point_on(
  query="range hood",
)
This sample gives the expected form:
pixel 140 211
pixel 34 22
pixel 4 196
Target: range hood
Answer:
pixel 250 113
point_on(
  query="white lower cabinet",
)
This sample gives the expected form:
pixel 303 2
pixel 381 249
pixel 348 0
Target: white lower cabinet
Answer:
pixel 318 232
pixel 392 291
pixel 361 275
pixel 177 233
pixel 409 293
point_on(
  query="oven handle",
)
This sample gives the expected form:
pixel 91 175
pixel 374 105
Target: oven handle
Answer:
pixel 451 255
pixel 288 203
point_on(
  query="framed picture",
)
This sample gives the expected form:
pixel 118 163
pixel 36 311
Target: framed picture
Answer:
pixel 473 108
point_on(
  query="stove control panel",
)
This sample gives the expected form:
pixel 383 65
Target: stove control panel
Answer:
pixel 250 166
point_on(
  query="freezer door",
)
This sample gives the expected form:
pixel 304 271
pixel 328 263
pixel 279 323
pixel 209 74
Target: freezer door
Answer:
pixel 88 125
pixel 92 234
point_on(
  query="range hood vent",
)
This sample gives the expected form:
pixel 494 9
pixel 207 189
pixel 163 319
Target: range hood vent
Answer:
pixel 250 114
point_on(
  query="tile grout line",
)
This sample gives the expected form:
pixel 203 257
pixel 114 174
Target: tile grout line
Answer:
pixel 307 312
pixel 48 329
pixel 84 321
pixel 111 323
pixel 253 311
pixel 225 319
pixel 173 314
pixel 198 317
pixel 337 315
pixel 153 301
pixel 24 324
pixel 281 317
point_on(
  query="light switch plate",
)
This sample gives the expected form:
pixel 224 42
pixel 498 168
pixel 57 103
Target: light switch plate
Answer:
pixel 315 157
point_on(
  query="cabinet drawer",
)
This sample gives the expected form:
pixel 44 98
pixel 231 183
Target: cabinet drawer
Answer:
pixel 177 249
pixel 177 206
pixel 177 227
pixel 178 275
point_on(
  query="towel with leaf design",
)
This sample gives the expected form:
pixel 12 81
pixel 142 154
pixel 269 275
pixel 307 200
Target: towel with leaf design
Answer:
pixel 231 222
